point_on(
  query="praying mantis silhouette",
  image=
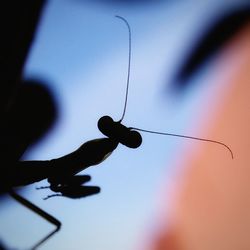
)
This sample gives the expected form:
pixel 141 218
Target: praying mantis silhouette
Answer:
pixel 61 173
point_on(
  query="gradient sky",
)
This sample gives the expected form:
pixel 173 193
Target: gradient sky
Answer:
pixel 81 52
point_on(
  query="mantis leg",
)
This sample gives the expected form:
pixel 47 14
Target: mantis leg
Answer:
pixel 40 212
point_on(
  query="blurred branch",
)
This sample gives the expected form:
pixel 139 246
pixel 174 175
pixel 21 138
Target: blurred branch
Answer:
pixel 18 23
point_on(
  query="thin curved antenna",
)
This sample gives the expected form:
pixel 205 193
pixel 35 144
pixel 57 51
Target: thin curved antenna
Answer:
pixel 186 137
pixel 129 61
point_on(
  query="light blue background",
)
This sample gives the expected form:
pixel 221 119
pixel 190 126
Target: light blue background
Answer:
pixel 81 51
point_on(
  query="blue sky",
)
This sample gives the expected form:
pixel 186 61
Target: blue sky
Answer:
pixel 81 52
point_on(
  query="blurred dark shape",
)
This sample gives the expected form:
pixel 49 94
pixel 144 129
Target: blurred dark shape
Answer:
pixel 17 34
pixel 2 247
pixel 213 40
pixel 32 113
pixel 30 116
pixel 18 21
pixel 27 111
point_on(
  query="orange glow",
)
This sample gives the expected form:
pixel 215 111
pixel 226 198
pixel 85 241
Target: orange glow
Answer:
pixel 212 205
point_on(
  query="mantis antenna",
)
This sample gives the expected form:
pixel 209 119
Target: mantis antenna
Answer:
pixel 129 61
pixel 186 137
pixel 155 132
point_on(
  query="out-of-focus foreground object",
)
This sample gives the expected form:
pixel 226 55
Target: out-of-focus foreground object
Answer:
pixel 212 199
pixel 18 23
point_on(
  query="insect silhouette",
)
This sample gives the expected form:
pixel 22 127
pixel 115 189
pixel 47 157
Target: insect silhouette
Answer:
pixel 61 173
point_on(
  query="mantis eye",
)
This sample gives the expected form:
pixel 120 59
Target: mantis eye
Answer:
pixel 105 124
pixel 119 133
pixel 133 140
